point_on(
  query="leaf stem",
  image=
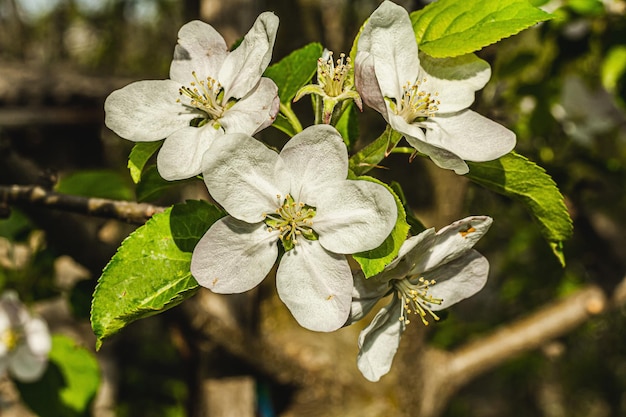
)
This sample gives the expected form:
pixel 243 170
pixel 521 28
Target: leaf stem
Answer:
pixel 286 110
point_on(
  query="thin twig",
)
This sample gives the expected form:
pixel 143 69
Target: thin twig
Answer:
pixel 33 195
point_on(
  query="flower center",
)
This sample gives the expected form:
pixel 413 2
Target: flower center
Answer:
pixel 10 338
pixel 416 104
pixel 416 299
pixel 332 78
pixel 292 219
pixel 205 95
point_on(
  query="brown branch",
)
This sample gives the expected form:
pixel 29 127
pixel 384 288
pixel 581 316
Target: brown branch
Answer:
pixel 449 371
pixel 129 211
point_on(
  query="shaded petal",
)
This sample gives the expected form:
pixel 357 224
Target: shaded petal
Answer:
pixel 366 82
pixel 458 279
pixel 470 136
pixel 201 49
pixel 244 66
pixel 239 173
pixel 454 80
pixel 25 365
pixel 402 264
pixel 449 243
pixel 399 124
pixel 234 256
pixel 180 157
pixel 314 157
pixel 146 111
pixel 365 294
pixel 38 336
pixel 378 342
pixel 254 112
pixel 388 36
pixel 315 285
pixel 353 216
pixel 441 157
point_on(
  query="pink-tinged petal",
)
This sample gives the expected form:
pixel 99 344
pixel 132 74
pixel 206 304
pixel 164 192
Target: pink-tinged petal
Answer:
pixel 26 366
pixel 38 336
pixel 471 136
pixel 458 279
pixel 147 111
pixel 201 49
pixel 254 112
pixel 312 158
pixel 389 38
pixel 244 66
pixel 353 216
pixel 366 82
pixel 239 172
pixel 180 157
pixel 234 256
pixel 453 81
pixel 378 342
pixel 441 157
pixel 315 285
pixel 449 243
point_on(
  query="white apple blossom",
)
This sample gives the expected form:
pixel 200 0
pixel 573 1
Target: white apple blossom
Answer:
pixel 431 272
pixel 24 340
pixel 302 198
pixel 424 98
pixel 211 91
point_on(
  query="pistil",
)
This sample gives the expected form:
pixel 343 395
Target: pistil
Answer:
pixel 205 95
pixel 416 299
pixel 415 103
pixel 292 219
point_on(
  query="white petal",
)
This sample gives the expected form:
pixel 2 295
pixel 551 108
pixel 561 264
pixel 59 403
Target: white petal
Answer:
pixel 25 365
pixel 180 157
pixel 234 256
pixel 453 80
pixel 38 337
pixel 365 294
pixel 244 66
pixel 239 172
pixel 401 265
pixel 354 216
pixel 254 112
pixel 201 49
pixel 378 342
pixel 458 279
pixel 471 136
pixel 441 157
pixel 315 285
pixel 146 111
pixel 388 36
pixel 314 157
pixel 366 82
pixel 449 243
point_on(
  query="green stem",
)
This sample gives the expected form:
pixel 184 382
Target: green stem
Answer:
pixel 403 150
pixel 291 117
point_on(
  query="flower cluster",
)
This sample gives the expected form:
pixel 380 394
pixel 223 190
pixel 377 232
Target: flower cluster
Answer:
pixel 301 206
pixel 24 340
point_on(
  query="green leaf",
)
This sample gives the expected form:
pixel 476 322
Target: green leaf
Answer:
pixel 374 261
pixel 150 271
pixel 294 71
pixel 282 123
pixel 416 225
pixel 515 176
pixel 69 383
pixel 139 156
pixel 370 156
pixel 448 28
pixel 96 183
pixel 152 185
pixel 348 125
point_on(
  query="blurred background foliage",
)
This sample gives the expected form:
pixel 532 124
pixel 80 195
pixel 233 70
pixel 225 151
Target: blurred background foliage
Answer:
pixel 560 86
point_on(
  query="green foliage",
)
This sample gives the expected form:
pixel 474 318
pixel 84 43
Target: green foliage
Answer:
pixel 348 125
pixel 374 261
pixel 139 156
pixel 448 28
pixel 69 383
pixel 294 71
pixel 515 176
pixel 150 271
pixel 152 185
pixel 96 183
pixel 370 156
